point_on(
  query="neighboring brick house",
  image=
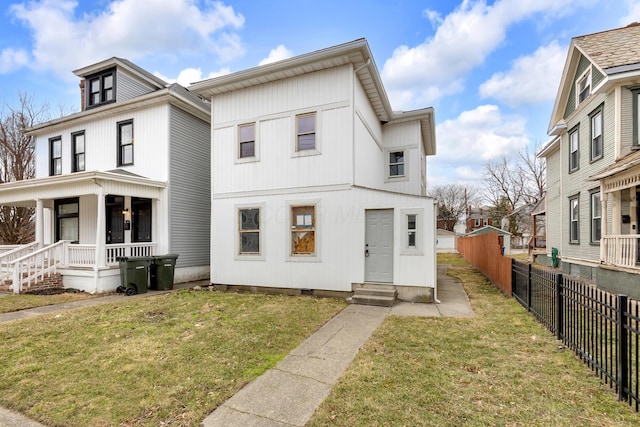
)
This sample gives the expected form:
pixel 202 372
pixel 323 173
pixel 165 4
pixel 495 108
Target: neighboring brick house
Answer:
pixel 477 218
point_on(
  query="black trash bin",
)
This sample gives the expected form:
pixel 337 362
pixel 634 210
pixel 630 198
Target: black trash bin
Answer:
pixel 161 272
pixel 134 274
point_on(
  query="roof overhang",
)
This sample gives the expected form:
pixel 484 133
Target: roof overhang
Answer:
pixel 121 64
pixel 26 192
pixel 550 147
pixel 426 116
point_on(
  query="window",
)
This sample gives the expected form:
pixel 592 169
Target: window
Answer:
pixel 101 88
pixel 477 222
pixel 77 142
pixel 596 217
pixel 141 220
pixel 67 211
pixel 574 220
pixel 636 118
pixel 247 140
pixel 55 156
pixel 125 143
pixel 583 86
pixel 396 163
pixel 249 231
pixel 574 150
pixel 306 132
pixel 303 231
pixel 411 230
pixel 596 134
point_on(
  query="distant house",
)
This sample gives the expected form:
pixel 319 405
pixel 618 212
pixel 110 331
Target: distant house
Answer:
pixel 318 186
pixel 477 218
pixel 504 237
pixel 593 160
pixel 128 175
pixel 520 224
pixel 447 241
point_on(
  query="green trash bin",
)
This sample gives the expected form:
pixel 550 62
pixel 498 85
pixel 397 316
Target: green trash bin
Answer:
pixel 134 274
pixel 161 272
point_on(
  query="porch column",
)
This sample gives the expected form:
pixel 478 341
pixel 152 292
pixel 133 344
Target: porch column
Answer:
pixel 604 218
pixel 40 222
pixel 101 258
pixel 632 211
pixel 616 213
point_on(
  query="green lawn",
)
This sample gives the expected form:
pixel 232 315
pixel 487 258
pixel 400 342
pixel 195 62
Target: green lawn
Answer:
pixel 165 360
pixel 500 368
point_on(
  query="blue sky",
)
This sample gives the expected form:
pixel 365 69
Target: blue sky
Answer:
pixel 489 68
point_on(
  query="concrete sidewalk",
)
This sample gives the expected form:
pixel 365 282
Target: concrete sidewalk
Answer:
pixel 289 394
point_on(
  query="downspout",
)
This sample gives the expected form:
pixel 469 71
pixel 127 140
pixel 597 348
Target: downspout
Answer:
pixel 435 256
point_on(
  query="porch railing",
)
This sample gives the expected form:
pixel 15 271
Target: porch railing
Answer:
pixel 9 256
pixel 85 255
pixel 621 250
pixel 34 267
pixel 7 248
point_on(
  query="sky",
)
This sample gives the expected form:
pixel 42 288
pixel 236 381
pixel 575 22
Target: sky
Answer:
pixel 490 69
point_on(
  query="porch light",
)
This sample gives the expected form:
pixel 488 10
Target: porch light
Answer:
pixel 125 212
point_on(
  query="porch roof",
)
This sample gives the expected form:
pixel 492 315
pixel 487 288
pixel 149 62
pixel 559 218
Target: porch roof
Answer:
pixel 26 192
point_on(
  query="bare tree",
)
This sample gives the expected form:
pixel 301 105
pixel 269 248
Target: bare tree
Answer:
pixel 17 163
pixel 452 200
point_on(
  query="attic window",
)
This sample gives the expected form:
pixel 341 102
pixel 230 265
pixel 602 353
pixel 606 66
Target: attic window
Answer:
pixel 101 88
pixel 583 87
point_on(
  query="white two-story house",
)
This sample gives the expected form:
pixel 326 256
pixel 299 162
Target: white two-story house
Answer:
pixel 593 161
pixel 317 185
pixel 129 175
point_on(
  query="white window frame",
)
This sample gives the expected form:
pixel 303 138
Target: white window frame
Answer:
pixel 291 228
pixel 249 256
pixel 317 121
pixel 596 215
pixel 256 144
pixel 597 138
pixel 574 164
pixel 574 217
pixel 387 164
pixel 418 249
pixel 583 86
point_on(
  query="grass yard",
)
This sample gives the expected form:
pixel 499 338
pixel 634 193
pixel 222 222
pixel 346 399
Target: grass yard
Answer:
pixel 500 368
pixel 166 360
pixel 15 302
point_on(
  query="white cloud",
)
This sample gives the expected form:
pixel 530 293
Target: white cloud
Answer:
pixel 192 75
pixel 11 59
pixel 633 15
pixel 64 40
pixel 433 16
pixel 467 142
pixel 531 79
pixel 277 54
pixel 461 42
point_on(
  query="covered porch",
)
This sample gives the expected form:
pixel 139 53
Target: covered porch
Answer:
pixel 84 222
pixel 619 190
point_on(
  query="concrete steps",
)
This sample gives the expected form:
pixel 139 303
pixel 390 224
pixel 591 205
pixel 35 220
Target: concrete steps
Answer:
pixel 373 294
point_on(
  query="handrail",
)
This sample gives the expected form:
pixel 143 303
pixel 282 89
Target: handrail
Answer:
pixel 33 267
pixel 8 257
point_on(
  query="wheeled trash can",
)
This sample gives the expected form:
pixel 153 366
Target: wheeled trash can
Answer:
pixel 134 274
pixel 162 272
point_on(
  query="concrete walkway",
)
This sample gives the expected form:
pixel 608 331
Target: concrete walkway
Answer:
pixel 289 394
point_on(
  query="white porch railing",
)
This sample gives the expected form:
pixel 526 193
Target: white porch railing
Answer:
pixel 8 257
pixel 621 250
pixel 33 267
pixel 85 255
pixel 7 248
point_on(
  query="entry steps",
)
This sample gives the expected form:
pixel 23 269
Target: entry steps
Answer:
pixel 374 294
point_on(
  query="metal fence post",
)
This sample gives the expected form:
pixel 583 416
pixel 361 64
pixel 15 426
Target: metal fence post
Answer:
pixel 559 307
pixel 623 367
pixel 529 287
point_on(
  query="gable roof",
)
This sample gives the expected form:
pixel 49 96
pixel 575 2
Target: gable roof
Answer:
pixel 356 53
pixel 122 64
pixel 614 53
pixel 489 229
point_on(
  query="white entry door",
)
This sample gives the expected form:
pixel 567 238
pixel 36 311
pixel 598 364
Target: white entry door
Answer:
pixel 379 246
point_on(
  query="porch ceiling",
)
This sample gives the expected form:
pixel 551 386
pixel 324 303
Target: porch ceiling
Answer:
pixel 25 193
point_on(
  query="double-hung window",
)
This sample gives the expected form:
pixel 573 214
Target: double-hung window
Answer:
pixel 78 147
pixel 411 230
pixel 596 134
pixel 306 132
pixel 396 164
pixel 583 87
pixel 249 231
pixel 55 156
pixel 574 150
pixel 247 140
pixel 596 217
pixel 303 230
pixel 574 220
pixel 125 143
pixel 636 118
pixel 101 88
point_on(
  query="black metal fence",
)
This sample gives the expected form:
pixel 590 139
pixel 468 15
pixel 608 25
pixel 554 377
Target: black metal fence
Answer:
pixel 601 328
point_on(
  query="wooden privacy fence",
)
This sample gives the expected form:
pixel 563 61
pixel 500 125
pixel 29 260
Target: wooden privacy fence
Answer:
pixel 485 253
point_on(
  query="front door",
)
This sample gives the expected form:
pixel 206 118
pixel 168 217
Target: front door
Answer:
pixel 115 219
pixel 379 246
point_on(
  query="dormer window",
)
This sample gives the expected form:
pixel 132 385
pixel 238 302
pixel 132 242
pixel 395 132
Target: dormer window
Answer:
pixel 101 88
pixel 583 86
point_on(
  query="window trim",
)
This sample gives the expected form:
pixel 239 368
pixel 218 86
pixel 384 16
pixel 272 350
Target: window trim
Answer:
pixel 310 151
pixel 311 257
pixel 592 217
pixel 248 159
pixel 241 231
pixel 52 168
pixel 584 77
pixel 57 216
pixel 120 125
pixel 592 116
pixel 74 153
pixel 636 118
pixel 387 163
pixel 574 131
pixel 100 77
pixel 575 198
pixel 418 249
